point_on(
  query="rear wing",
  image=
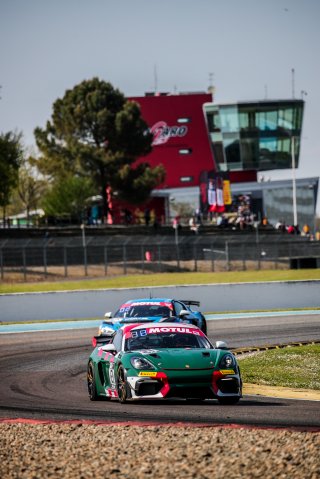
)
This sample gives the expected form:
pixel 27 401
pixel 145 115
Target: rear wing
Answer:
pixel 102 339
pixel 190 302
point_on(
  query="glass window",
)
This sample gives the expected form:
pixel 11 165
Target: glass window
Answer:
pixel 286 118
pixel 249 153
pixel 232 152
pixel 178 307
pixel 244 119
pixel 218 153
pixel 213 121
pixel 229 119
pixel 117 340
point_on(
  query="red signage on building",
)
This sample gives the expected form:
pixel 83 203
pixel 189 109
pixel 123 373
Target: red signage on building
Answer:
pixel 180 138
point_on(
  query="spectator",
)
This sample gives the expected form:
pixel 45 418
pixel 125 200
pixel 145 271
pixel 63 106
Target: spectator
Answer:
pixel 280 225
pixel 194 227
pixel 305 230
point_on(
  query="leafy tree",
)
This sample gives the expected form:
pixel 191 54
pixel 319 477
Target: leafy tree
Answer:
pixel 10 160
pixel 29 188
pixel 67 197
pixel 96 132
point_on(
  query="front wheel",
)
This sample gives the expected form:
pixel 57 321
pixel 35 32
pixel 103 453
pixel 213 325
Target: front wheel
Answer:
pixel 122 386
pixel 91 381
pixel 229 399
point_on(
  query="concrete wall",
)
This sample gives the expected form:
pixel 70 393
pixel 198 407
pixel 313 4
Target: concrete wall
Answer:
pixel 213 298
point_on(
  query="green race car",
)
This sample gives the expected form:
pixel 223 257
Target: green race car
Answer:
pixel 154 361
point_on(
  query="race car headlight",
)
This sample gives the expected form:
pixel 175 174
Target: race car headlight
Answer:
pixel 227 362
pixel 141 363
pixel 106 330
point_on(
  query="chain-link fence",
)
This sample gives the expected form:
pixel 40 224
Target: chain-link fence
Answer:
pixel 53 258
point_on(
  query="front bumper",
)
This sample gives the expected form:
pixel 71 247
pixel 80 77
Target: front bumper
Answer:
pixel 185 384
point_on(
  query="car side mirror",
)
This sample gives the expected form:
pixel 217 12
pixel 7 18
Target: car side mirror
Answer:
pixel 108 314
pixel 183 313
pixel 110 348
pixel 221 345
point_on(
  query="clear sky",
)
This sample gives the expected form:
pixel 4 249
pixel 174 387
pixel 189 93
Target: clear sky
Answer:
pixel 250 47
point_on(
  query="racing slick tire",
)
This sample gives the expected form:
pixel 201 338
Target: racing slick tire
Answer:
pixel 122 386
pixel 229 400
pixel 91 381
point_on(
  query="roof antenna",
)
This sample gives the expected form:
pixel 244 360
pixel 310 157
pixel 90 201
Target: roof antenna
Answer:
pixel 155 73
pixel 211 88
pixel 292 74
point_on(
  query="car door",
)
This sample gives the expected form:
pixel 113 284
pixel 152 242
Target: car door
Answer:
pixel 109 361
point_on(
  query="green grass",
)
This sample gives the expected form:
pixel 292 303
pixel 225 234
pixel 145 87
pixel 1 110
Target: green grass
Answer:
pixel 164 279
pixel 294 367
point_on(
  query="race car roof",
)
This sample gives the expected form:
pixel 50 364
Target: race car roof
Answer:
pixel 149 300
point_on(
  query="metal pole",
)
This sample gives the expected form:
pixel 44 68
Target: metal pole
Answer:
pixel 45 260
pixel 159 259
pixel 65 261
pixel 176 234
pixel 1 263
pixel 294 187
pixel 24 260
pixel 105 261
pixel 227 256
pixel 142 258
pixel 83 235
pixel 212 257
pixel 124 258
pixel 243 257
pixel 85 260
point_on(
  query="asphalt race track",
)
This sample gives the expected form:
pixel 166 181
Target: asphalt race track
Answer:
pixel 43 375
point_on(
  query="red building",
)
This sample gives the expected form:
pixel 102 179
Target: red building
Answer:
pixel 205 147
pixel 181 141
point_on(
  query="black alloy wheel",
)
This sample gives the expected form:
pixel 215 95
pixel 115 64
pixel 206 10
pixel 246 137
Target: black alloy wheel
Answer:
pixel 91 383
pixel 122 386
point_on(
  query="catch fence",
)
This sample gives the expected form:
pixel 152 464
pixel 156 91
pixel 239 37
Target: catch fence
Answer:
pixel 38 259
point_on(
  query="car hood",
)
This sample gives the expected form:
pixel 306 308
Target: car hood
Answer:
pixel 182 358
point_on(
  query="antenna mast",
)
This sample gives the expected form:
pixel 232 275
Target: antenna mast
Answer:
pixel 292 74
pixel 211 88
pixel 155 79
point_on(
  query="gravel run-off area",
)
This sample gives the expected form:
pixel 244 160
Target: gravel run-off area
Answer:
pixel 79 450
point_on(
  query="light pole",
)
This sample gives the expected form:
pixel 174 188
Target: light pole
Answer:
pixel 294 186
pixel 83 235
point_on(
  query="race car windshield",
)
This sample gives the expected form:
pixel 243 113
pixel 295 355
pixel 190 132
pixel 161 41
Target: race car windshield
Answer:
pixel 167 341
pixel 143 311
